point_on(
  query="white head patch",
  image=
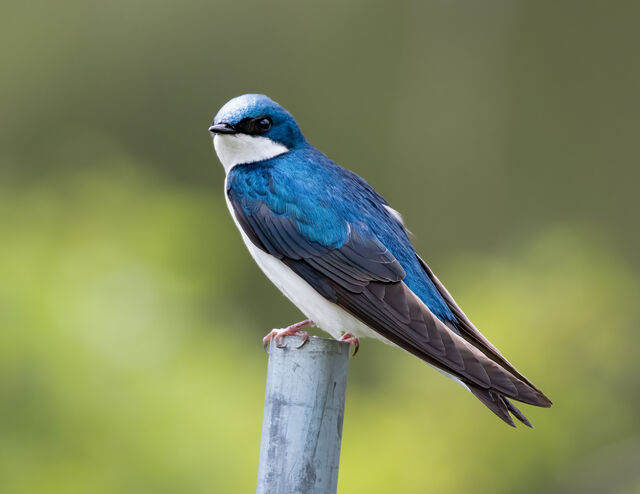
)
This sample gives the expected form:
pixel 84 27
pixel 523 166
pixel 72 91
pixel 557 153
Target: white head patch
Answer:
pixel 236 149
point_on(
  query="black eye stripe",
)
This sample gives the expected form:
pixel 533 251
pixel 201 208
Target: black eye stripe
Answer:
pixel 254 126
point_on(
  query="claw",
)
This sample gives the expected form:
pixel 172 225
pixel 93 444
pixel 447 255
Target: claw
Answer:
pixel 279 342
pixel 305 338
pixel 352 340
pixel 293 330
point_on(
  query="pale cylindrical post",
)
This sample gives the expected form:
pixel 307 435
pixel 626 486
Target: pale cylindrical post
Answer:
pixel 303 412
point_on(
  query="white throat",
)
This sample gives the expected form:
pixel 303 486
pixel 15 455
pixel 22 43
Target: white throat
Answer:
pixel 235 149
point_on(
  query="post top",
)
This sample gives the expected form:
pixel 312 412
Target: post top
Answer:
pixel 315 344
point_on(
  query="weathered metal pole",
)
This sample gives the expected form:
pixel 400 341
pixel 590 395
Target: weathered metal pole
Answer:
pixel 303 412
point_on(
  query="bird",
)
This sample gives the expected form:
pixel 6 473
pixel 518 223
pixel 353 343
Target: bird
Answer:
pixel 343 256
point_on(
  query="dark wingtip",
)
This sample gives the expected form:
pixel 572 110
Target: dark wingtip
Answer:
pixel 529 394
pixel 543 401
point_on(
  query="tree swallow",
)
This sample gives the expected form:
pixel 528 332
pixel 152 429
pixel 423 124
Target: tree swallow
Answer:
pixel 343 256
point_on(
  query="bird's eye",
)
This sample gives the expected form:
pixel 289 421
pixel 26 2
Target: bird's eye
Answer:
pixel 254 126
pixel 263 124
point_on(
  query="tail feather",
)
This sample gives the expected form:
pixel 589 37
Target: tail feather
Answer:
pixel 517 413
pixel 500 405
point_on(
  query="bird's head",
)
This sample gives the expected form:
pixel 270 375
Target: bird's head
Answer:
pixel 252 128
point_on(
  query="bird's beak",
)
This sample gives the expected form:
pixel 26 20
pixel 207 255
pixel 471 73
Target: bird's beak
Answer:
pixel 222 128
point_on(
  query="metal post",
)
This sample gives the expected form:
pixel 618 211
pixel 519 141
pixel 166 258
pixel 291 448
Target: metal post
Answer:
pixel 303 412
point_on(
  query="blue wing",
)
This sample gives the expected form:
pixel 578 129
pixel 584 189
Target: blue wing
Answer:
pixel 357 261
pixel 334 235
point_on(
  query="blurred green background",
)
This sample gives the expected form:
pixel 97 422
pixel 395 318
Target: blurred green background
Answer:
pixel 131 313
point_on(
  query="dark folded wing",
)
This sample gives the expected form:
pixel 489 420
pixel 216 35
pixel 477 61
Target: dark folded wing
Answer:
pixel 358 261
pixel 365 279
pixel 468 331
pixel 394 311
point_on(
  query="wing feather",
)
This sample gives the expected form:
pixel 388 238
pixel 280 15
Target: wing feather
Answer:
pixel 468 331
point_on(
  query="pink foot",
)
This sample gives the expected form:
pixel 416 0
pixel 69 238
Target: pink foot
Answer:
pixel 352 340
pixel 293 330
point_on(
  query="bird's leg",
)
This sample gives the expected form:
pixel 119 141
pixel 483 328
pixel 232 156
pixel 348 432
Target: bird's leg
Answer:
pixel 293 330
pixel 352 340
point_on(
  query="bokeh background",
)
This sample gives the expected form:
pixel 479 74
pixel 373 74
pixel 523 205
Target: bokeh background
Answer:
pixel 131 313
